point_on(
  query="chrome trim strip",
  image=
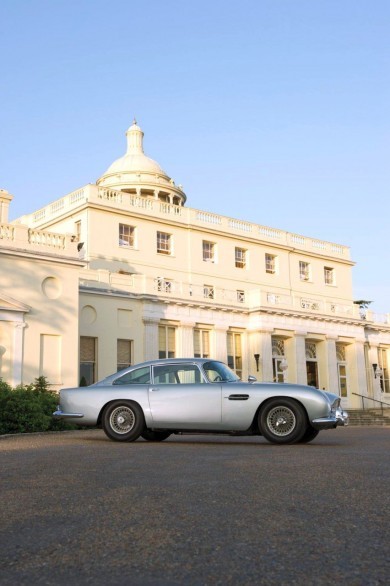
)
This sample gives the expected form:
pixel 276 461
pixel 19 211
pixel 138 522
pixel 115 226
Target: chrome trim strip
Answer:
pixel 61 415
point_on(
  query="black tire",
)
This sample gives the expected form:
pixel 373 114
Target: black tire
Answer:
pixel 309 435
pixel 283 421
pixel 155 436
pixel 123 421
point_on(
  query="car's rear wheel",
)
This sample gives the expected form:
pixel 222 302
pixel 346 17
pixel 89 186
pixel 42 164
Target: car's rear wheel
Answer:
pixel 123 421
pixel 283 421
pixel 309 435
pixel 155 436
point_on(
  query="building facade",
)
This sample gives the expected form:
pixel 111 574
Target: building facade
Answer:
pixel 161 279
pixel 39 280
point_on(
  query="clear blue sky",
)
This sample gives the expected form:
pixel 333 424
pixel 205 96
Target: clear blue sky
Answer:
pixel 274 111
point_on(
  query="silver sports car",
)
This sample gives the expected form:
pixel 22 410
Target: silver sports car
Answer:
pixel 197 395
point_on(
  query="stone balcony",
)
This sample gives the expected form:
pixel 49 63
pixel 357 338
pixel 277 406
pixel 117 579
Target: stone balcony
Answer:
pixel 184 292
pixel 21 237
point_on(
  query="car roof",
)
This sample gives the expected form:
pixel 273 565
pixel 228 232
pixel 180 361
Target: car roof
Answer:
pixel 173 361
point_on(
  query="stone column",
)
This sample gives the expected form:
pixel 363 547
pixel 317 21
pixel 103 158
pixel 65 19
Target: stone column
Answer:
pixel 150 338
pixel 300 357
pixel 254 347
pixel 220 344
pixel 5 200
pixel 332 371
pixel 373 359
pixel 266 356
pixel 363 385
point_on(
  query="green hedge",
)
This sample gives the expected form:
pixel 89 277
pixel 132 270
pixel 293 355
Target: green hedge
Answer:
pixel 29 408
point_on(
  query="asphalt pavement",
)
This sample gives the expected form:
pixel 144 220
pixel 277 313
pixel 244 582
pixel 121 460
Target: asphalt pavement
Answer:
pixel 77 508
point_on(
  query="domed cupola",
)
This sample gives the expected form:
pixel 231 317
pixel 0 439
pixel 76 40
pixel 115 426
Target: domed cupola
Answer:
pixel 136 173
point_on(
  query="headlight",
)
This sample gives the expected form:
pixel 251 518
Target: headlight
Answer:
pixel 335 405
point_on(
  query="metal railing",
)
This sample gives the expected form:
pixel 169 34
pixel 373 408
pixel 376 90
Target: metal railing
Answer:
pixel 373 400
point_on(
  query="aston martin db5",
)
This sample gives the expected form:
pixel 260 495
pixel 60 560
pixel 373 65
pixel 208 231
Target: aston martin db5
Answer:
pixel 158 398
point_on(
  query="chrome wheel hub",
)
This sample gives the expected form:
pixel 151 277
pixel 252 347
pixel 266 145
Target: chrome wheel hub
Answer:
pixel 122 420
pixel 281 421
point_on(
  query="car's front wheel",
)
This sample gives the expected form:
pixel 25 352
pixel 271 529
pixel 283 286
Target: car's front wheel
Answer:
pixel 155 436
pixel 123 421
pixel 309 435
pixel 283 421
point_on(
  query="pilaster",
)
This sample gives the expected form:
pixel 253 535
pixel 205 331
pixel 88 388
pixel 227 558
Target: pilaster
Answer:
pixel 187 339
pixel 151 338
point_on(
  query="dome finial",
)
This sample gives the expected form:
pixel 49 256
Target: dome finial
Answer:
pixel 134 139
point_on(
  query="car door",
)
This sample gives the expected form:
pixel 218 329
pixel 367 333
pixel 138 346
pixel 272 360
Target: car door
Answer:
pixel 239 404
pixel 180 398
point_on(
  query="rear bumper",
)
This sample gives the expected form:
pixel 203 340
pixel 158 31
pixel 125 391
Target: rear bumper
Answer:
pixel 340 417
pixel 61 415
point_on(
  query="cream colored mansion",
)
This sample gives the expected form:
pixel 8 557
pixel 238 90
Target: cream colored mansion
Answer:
pixel 122 271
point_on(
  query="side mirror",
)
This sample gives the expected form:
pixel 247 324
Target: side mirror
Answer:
pixel 252 379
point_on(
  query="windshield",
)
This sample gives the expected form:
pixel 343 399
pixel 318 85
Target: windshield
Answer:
pixel 217 372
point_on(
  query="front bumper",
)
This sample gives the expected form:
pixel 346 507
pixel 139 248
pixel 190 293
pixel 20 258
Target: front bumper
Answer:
pixel 339 417
pixel 61 415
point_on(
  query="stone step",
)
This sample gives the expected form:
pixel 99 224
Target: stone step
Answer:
pixel 369 417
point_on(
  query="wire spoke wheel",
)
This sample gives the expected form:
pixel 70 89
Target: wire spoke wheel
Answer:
pixel 122 419
pixel 281 420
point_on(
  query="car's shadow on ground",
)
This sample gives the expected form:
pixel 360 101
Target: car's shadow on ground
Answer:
pixel 211 440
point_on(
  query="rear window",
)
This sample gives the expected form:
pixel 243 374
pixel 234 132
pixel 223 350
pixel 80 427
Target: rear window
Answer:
pixel 139 376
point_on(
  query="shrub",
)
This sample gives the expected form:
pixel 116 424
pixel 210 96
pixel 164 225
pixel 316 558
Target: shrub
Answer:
pixel 29 408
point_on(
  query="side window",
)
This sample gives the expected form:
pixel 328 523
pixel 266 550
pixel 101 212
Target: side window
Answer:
pixel 177 374
pixel 140 376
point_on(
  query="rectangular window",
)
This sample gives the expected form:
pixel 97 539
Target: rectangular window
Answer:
pixel 384 377
pixel 343 381
pixel 164 243
pixel 208 251
pixel 88 365
pixel 126 235
pixel 277 370
pixel 304 271
pixel 240 257
pixel 201 343
pixel 270 263
pixel 208 291
pixel 166 341
pixel 123 353
pixel 234 358
pixel 77 227
pixel 329 276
